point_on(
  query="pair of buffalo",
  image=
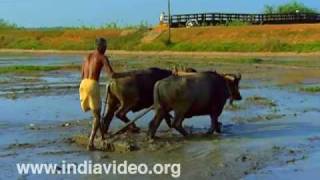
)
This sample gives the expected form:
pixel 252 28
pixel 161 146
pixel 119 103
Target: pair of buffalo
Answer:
pixel 187 94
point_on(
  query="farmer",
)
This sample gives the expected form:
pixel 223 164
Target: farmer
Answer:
pixel 89 87
pixel 161 18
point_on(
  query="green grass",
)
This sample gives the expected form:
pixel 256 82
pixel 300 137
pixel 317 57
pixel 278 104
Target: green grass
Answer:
pixel 202 62
pixel 267 46
pixel 128 42
pixel 311 89
pixel 136 63
pixel 165 62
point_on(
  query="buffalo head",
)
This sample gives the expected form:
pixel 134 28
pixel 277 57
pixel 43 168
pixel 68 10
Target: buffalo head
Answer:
pixel 233 86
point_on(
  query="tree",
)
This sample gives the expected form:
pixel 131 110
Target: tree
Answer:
pixel 289 8
pixel 6 25
pixel 268 9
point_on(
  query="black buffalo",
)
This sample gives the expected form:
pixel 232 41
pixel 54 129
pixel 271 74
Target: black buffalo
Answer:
pixel 132 92
pixel 193 94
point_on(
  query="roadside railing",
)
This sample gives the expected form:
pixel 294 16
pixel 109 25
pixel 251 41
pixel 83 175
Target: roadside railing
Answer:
pixel 224 18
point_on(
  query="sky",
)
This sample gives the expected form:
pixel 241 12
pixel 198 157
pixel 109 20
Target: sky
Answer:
pixel 52 13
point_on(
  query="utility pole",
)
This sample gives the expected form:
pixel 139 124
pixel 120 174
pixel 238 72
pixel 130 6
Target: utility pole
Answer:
pixel 169 21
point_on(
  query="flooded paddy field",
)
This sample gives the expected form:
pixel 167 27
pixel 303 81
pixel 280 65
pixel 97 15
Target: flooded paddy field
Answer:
pixel 274 132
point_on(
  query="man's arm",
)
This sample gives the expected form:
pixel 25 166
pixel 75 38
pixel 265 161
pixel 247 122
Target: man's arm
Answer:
pixel 107 67
pixel 82 71
pixel 83 66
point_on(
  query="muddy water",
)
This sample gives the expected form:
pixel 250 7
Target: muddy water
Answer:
pixel 27 59
pixel 271 133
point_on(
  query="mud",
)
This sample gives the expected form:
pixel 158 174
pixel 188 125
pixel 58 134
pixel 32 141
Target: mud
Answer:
pixel 274 131
pixel 129 142
pixel 256 100
pixel 258 118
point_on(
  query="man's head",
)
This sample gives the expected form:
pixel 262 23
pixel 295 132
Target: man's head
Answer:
pixel 101 45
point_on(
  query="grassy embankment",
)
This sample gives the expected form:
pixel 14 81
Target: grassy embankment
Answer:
pixel 259 38
pixel 67 38
pixel 239 38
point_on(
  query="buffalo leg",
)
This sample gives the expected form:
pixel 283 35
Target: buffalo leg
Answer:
pixel 122 115
pixel 168 120
pixel 215 124
pixel 95 126
pixel 155 123
pixel 177 123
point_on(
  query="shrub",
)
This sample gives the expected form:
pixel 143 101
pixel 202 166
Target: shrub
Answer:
pixel 6 25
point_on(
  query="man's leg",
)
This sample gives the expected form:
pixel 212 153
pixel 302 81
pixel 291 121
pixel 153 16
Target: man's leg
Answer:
pixel 112 106
pixel 95 126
